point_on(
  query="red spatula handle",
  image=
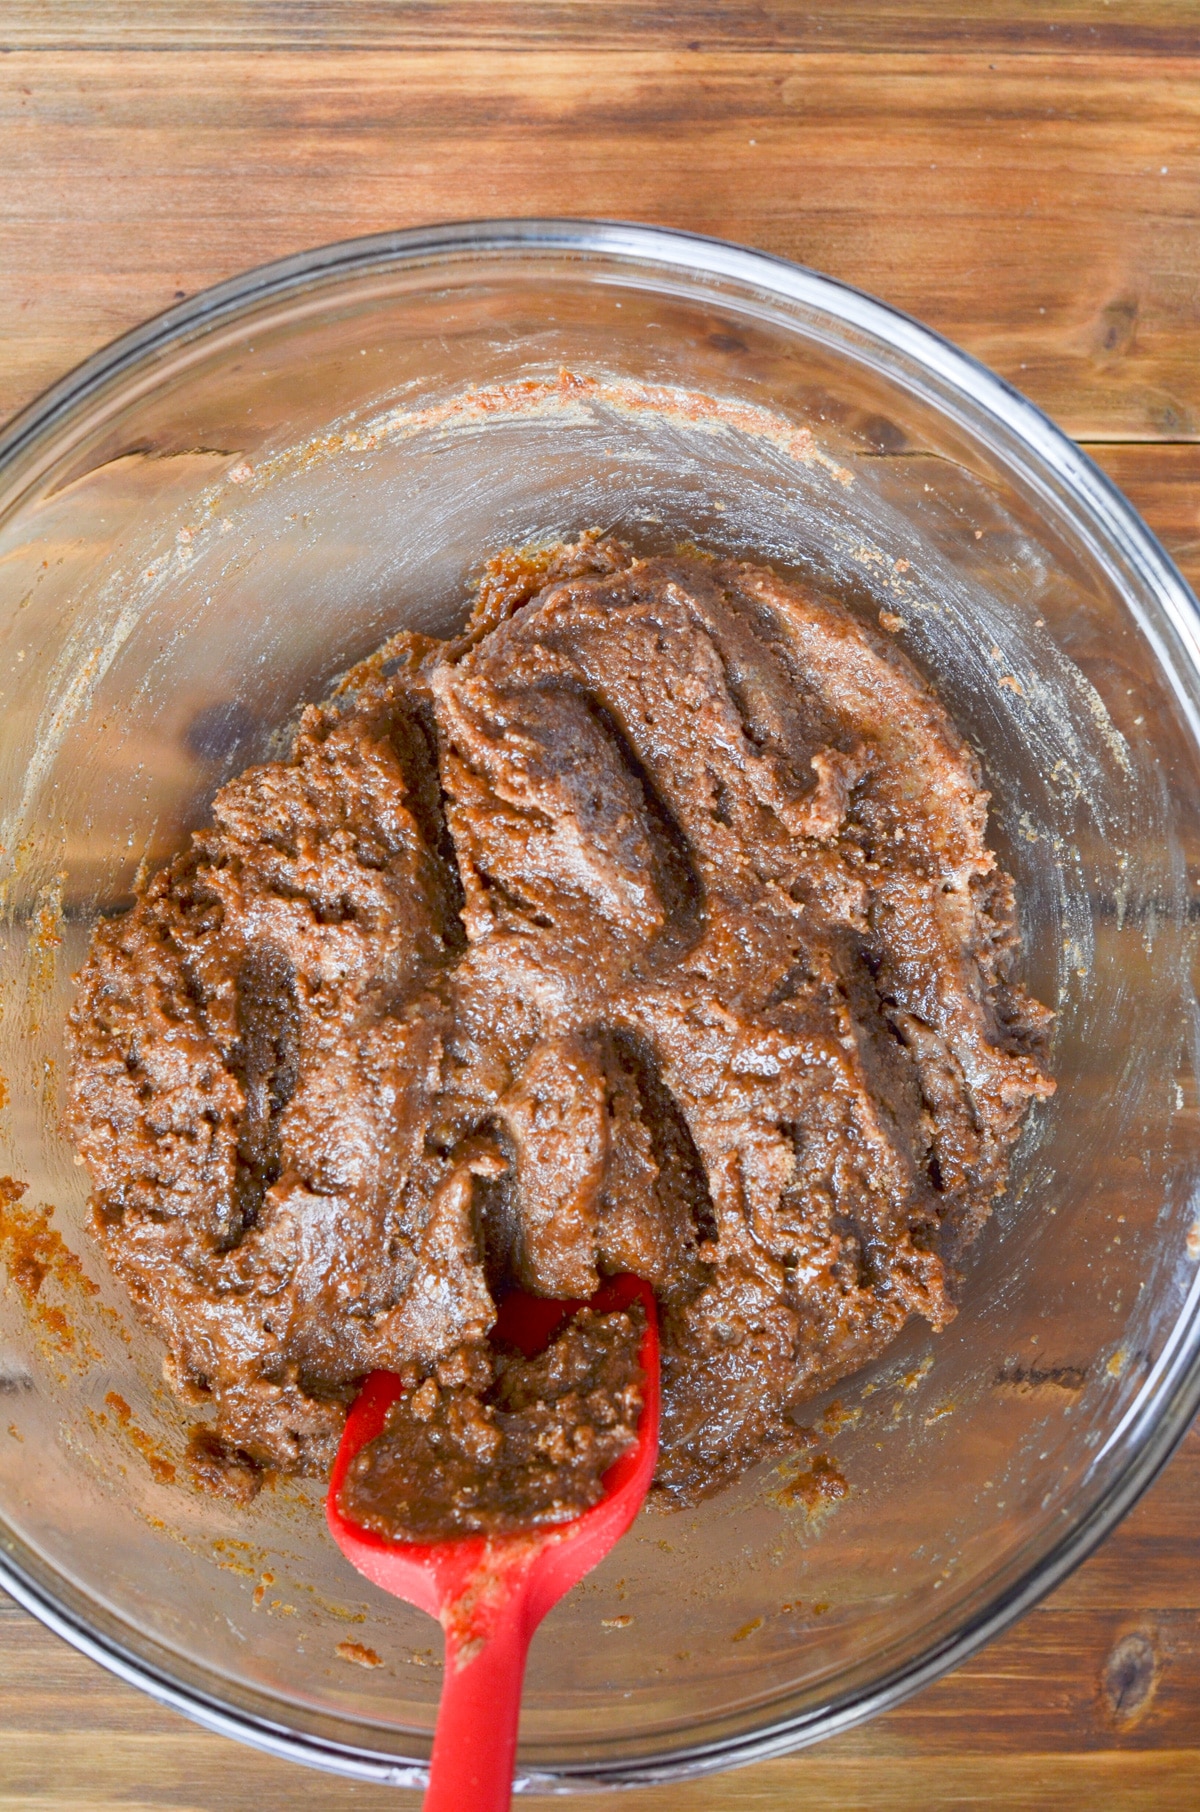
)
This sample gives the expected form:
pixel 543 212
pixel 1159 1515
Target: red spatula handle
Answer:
pixel 475 1743
pixel 490 1593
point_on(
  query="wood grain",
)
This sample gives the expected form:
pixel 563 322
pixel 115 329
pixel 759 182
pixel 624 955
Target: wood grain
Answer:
pixel 1027 27
pixel 1041 210
pixel 1163 482
pixel 1023 175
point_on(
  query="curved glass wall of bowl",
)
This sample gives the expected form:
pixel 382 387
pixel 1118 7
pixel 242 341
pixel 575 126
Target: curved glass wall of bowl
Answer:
pixel 210 522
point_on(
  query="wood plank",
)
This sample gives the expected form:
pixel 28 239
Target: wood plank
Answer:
pixel 1163 483
pixel 1040 211
pixel 182 1772
pixel 1026 27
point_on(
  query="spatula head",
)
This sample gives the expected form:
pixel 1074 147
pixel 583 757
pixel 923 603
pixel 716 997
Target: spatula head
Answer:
pixel 466 1581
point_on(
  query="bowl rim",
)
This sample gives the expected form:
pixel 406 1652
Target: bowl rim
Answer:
pixel 1161 1423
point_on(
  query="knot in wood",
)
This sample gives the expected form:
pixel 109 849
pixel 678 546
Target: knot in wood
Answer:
pixel 1130 1677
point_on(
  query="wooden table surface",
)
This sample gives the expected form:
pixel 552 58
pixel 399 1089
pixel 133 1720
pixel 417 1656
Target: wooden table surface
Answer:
pixel 1026 180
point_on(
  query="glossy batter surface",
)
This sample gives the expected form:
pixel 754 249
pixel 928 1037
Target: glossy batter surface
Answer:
pixel 492 1442
pixel 650 926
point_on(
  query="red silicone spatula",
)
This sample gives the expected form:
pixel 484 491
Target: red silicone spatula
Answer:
pixel 490 1592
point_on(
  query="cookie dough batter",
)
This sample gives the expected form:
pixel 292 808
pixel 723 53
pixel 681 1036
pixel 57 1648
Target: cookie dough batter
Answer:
pixel 493 1443
pixel 649 926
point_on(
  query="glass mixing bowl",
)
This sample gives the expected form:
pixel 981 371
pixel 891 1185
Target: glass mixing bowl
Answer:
pixel 210 521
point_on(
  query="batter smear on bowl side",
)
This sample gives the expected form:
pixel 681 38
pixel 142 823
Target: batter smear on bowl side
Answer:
pixel 650 926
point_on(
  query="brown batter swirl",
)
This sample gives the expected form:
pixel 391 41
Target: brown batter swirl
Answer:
pixel 648 927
